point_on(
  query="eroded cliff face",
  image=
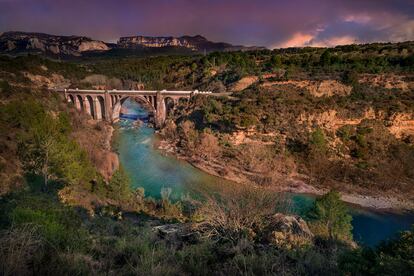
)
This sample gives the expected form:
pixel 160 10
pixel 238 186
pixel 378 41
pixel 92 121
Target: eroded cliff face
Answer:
pixel 155 42
pixel 401 125
pixel 11 42
pixel 388 81
pixel 193 43
pixel 325 88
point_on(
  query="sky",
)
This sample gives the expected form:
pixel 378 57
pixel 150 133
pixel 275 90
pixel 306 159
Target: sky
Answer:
pixel 269 23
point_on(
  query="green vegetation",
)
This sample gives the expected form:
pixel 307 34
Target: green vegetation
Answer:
pixel 394 257
pixel 238 234
pixel 331 217
pixel 218 70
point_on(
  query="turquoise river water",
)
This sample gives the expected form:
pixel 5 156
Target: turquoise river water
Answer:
pixel 150 169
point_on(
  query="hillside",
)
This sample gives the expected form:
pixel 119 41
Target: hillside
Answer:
pixel 309 118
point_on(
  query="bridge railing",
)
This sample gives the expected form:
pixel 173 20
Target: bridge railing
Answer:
pixel 115 91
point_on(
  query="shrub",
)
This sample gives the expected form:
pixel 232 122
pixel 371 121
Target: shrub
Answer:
pixel 237 214
pixel 19 249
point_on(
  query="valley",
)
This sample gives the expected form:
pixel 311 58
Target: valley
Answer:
pixel 296 131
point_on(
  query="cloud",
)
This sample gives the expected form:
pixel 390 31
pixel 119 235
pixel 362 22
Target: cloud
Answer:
pixel 297 40
pixel 271 23
pixel 334 41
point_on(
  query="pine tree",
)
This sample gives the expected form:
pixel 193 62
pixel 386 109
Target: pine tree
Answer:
pixel 331 214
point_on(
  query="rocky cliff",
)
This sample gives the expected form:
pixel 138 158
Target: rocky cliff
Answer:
pixel 75 46
pixel 194 43
pixel 21 42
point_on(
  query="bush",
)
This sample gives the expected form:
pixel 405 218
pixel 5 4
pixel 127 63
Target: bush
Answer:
pixel 20 247
pixel 242 213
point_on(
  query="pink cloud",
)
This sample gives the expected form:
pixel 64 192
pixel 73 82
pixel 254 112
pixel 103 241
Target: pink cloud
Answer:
pixel 297 40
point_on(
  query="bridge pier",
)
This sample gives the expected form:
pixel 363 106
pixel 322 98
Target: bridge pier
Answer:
pixel 108 106
pixel 160 112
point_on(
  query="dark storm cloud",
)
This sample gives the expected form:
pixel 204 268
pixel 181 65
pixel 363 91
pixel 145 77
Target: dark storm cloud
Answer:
pixel 261 22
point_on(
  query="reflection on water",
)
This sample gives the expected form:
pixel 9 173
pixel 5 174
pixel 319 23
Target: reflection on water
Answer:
pixel 153 171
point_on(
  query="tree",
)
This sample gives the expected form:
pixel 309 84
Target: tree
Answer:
pixel 275 62
pixel 37 147
pixel 188 135
pixel 318 140
pixel 208 146
pixel 120 185
pixel 325 58
pixel 331 217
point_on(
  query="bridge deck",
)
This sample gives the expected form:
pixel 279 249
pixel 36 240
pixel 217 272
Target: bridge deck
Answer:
pixel 131 92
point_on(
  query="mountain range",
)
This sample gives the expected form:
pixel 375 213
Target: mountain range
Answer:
pixel 17 43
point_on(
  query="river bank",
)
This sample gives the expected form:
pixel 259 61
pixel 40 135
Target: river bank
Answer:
pixel 291 184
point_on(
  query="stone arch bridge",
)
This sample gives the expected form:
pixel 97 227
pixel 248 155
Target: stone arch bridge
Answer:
pixel 106 104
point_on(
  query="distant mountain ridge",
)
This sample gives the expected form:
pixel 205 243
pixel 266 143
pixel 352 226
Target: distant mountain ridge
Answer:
pixel 15 43
pixel 22 42
pixel 195 43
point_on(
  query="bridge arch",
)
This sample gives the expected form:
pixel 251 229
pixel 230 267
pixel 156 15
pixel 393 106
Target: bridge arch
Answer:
pixel 89 106
pixel 71 99
pixel 79 102
pixel 116 110
pixel 169 105
pixel 100 108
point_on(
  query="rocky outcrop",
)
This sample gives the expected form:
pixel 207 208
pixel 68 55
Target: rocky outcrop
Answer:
pixel 243 83
pixel 388 81
pixel 288 231
pixel 401 125
pixel 21 42
pixel 154 42
pixel 331 120
pixel 325 88
pixel 15 43
pixel 54 80
pixel 193 43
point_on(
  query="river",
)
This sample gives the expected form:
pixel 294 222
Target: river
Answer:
pixel 150 169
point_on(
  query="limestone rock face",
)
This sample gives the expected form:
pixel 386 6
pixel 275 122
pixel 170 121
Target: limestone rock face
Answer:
pixel 388 81
pixel 325 88
pixel 154 42
pixel 75 46
pixel 92 46
pixel 193 43
pixel 21 42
